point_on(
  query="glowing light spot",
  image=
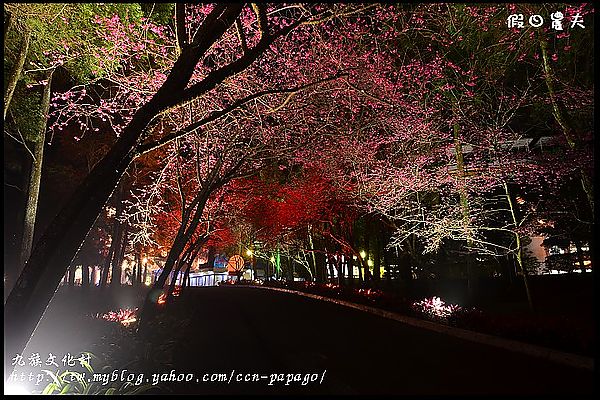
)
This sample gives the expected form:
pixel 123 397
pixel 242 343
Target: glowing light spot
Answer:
pixel 154 295
pixel 435 308
pixel 15 390
pixel 125 316
pixel 363 254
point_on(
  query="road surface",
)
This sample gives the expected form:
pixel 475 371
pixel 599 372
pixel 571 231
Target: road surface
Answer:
pixel 246 333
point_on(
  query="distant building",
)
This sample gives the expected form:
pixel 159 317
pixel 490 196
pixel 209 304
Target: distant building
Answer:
pixel 208 277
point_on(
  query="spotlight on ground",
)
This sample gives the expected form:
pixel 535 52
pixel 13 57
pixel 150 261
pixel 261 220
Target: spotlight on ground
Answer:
pixel 10 389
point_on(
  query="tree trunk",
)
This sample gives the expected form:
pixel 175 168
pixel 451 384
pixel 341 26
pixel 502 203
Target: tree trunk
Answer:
pixel 210 258
pixel 173 282
pixel 139 271
pixel 267 274
pixel 104 269
pixel 562 118
pixel 15 74
pixel 291 268
pixel 313 256
pixel 85 276
pixel 186 261
pixel 61 240
pixel 509 270
pixel 350 267
pixel 342 270
pixel 118 264
pixel 134 274
pixel 328 266
pixel 386 268
pixel 321 272
pixel 117 260
pixel 464 204
pixel 183 236
pixel 405 271
pixel 115 234
pixel 519 251
pixel 361 272
pixel 377 256
pixel 72 270
pixel 145 275
pixel 8 19
pixel 571 259
pixel 368 254
pixel 35 178
pixel 580 256
pixel 186 278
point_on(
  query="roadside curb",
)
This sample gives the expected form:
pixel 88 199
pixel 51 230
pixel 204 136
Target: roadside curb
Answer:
pixel 572 360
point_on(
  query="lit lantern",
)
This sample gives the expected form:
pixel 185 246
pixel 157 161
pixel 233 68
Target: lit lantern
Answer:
pixel 235 264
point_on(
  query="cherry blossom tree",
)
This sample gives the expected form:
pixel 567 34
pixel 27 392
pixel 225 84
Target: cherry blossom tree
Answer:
pixel 214 24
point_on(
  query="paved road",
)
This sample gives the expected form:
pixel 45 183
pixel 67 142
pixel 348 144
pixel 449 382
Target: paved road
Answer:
pixel 247 330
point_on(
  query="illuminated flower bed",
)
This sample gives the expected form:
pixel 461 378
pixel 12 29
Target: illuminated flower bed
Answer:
pixel 435 309
pixel 125 317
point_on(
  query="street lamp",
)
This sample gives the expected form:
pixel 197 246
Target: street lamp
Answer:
pixel 363 254
pixel 249 253
pixel 272 259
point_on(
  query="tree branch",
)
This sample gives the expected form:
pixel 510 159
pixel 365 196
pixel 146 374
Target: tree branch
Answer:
pixel 180 31
pixel 240 32
pixel 214 26
pixel 261 17
pixel 216 77
pixel 147 147
pixel 204 29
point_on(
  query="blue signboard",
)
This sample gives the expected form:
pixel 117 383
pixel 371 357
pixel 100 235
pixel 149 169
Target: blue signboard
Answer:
pixel 220 261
